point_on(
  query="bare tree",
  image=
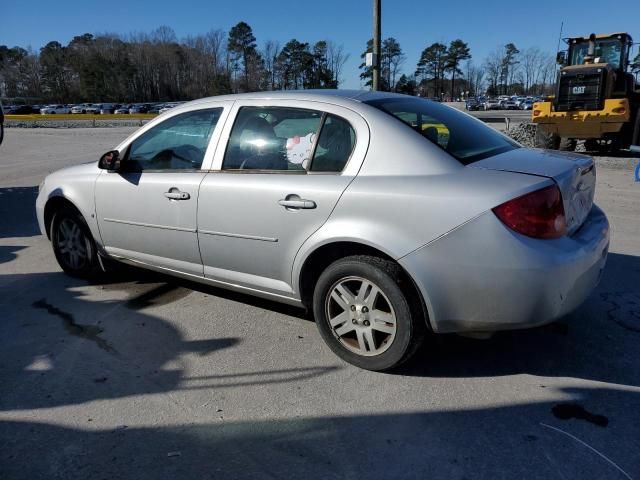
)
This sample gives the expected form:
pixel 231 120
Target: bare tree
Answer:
pixel 475 77
pixel 493 69
pixel 548 76
pixel 478 80
pixel 336 59
pixel 532 59
pixel 270 53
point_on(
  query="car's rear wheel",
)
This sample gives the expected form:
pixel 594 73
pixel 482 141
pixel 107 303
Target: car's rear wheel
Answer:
pixel 73 244
pixel 365 314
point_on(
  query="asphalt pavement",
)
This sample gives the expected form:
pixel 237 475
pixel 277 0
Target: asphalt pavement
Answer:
pixel 148 377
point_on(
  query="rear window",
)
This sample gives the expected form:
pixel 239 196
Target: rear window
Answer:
pixel 462 137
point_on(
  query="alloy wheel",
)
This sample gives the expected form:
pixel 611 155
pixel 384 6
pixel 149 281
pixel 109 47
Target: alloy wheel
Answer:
pixel 73 245
pixel 361 316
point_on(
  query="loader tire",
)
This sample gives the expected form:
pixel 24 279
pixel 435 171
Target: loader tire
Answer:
pixel 549 141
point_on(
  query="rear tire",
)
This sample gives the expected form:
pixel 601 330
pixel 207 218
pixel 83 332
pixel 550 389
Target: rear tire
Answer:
pixel 603 145
pixel 549 141
pixel 73 244
pixel 591 145
pixel 366 313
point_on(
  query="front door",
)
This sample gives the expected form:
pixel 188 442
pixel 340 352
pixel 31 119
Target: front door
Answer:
pixel 280 178
pixel 147 210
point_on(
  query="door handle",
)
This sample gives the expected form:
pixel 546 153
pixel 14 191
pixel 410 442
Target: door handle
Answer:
pixel 297 203
pixel 175 194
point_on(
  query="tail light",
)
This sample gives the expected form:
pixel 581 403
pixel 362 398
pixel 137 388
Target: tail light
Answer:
pixel 538 214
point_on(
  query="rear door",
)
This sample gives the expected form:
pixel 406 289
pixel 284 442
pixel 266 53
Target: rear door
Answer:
pixel 147 210
pixel 277 181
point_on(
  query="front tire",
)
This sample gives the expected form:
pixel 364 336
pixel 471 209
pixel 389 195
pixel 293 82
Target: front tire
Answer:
pixel 366 313
pixel 73 244
pixel 567 144
pixel 546 140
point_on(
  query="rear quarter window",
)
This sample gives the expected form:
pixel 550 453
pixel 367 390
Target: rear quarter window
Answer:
pixel 462 137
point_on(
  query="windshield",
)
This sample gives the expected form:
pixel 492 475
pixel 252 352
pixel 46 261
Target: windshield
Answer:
pixel 458 134
pixel 609 51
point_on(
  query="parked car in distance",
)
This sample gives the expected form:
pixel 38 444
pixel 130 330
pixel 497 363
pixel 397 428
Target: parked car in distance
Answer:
pixel 94 108
pixel 140 108
pixel 508 105
pixel 472 104
pixel 123 109
pixel 492 104
pixel 53 109
pixel 526 105
pixel 386 215
pixel 108 108
pixel 21 110
pixel 156 108
pixel 169 106
pixel 518 101
pixel 82 108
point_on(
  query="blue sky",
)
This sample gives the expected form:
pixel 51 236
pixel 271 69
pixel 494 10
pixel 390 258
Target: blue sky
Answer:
pixel 415 24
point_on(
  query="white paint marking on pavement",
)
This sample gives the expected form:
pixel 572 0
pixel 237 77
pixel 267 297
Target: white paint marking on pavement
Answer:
pixel 602 455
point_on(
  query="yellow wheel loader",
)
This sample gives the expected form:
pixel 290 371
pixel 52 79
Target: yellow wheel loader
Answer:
pixel 597 99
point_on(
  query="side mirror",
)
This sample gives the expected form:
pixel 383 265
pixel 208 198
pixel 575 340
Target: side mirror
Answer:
pixel 561 58
pixel 110 161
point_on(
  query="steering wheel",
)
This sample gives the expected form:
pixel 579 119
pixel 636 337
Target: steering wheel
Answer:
pixel 168 153
pixel 190 151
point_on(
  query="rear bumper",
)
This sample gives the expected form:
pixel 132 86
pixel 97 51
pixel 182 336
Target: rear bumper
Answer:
pixel 583 124
pixel 484 277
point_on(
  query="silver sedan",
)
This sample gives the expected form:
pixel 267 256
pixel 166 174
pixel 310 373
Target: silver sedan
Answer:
pixel 388 216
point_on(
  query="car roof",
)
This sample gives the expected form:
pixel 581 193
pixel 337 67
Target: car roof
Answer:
pixel 343 97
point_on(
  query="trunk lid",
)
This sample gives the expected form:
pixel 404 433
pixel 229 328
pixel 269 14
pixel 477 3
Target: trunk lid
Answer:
pixel 574 174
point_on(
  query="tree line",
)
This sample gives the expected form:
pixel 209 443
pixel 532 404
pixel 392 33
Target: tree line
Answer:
pixel 448 71
pixel 158 67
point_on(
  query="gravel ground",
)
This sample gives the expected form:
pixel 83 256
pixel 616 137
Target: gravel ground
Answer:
pixel 148 377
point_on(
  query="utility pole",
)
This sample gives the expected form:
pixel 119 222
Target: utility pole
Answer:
pixel 376 44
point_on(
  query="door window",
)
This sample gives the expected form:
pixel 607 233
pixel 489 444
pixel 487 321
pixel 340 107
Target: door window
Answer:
pixel 178 143
pixel 335 144
pixel 272 138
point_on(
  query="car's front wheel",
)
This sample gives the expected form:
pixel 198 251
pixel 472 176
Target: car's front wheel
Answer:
pixel 365 313
pixel 73 244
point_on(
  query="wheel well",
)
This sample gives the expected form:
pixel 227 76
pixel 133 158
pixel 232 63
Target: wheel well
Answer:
pixel 53 205
pixel 324 256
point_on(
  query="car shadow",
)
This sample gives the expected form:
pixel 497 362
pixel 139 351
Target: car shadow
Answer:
pixel 8 252
pixel 18 212
pixel 517 440
pixel 598 341
pixel 61 346
pixel 127 273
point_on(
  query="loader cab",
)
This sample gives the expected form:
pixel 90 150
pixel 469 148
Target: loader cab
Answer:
pixel 594 70
pixel 612 49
